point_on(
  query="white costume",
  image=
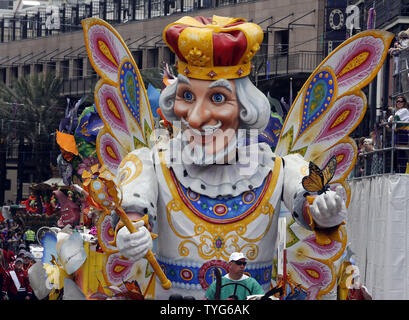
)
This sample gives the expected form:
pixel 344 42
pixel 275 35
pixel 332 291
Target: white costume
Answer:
pixel 204 213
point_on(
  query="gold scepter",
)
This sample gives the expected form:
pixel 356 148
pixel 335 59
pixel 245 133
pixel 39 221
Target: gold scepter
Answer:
pixel 104 191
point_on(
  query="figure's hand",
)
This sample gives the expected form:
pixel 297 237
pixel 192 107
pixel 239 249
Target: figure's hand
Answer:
pixel 328 209
pixel 134 246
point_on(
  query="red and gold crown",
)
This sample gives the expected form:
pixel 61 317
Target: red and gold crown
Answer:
pixel 213 48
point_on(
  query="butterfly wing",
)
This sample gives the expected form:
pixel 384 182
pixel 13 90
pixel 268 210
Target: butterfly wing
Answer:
pixel 329 170
pixel 134 291
pixel 314 182
pixel 120 95
pixel 331 104
pixel 327 109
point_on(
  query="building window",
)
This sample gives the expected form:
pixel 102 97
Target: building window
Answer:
pixel 78 67
pixel 153 56
pixel 65 68
pixel 3 75
pixel 14 73
pixel 51 67
pixel 168 56
pixel 137 55
pixel 26 71
pixel 281 42
pixel 38 68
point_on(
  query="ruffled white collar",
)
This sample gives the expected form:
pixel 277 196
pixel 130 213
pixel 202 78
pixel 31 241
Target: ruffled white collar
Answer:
pixel 225 180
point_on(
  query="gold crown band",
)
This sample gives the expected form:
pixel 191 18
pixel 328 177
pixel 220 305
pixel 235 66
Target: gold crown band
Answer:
pixel 214 73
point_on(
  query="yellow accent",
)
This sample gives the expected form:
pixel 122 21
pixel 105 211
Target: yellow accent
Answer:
pixel 104 49
pixel 111 152
pixel 127 175
pixel 341 118
pixel 113 108
pixel 195 43
pixel 95 168
pixel 343 277
pixel 91 272
pixel 119 268
pixel 230 232
pixel 220 72
pixel 313 273
pixel 149 293
pixel 354 63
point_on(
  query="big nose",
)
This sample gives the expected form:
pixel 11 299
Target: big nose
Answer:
pixel 199 114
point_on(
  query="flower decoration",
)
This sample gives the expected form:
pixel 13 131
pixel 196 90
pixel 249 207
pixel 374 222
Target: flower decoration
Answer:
pixel 89 125
pixel 101 187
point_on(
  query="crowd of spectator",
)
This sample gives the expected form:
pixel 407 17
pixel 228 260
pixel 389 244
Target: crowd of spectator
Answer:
pixel 15 261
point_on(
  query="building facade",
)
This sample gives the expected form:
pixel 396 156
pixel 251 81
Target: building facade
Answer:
pixel 49 38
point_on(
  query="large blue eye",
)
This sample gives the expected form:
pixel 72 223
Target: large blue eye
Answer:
pixel 188 96
pixel 218 98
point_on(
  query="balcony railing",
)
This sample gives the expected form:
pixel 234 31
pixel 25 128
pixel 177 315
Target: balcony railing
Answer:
pixel 388 158
pixel 79 85
pixel 274 65
pixel 389 10
pixel 300 61
pixel 400 73
pixel 42 21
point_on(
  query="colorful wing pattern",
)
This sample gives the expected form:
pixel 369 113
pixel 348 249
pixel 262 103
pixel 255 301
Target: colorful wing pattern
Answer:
pixel 122 103
pixel 120 94
pixel 331 104
pixel 327 109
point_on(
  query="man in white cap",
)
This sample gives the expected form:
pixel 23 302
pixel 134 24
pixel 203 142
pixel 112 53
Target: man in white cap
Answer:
pixel 235 285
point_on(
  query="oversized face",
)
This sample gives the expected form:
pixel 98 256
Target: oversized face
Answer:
pixel 209 112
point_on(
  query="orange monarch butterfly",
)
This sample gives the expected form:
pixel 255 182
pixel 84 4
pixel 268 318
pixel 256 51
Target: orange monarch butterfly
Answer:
pixel 318 180
pixel 133 290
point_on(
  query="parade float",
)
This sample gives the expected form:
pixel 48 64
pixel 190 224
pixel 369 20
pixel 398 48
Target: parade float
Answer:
pixel 195 215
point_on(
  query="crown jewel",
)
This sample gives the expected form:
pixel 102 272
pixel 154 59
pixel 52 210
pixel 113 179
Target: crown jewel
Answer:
pixel 213 48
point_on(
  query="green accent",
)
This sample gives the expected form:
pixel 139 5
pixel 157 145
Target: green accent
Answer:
pixel 228 290
pixel 300 151
pixel 29 235
pixel 284 137
pixel 138 143
pixel 292 239
pixel 148 271
pixel 147 132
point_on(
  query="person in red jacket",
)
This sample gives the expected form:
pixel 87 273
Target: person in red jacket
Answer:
pixel 16 285
pixel 4 266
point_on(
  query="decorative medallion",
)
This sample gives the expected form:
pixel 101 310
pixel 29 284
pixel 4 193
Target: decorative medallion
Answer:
pixel 317 98
pixel 222 210
pixel 130 89
pixel 206 272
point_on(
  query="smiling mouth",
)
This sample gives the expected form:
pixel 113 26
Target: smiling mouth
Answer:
pixel 206 134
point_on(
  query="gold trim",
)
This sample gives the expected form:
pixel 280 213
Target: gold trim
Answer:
pixel 231 233
pixel 214 73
